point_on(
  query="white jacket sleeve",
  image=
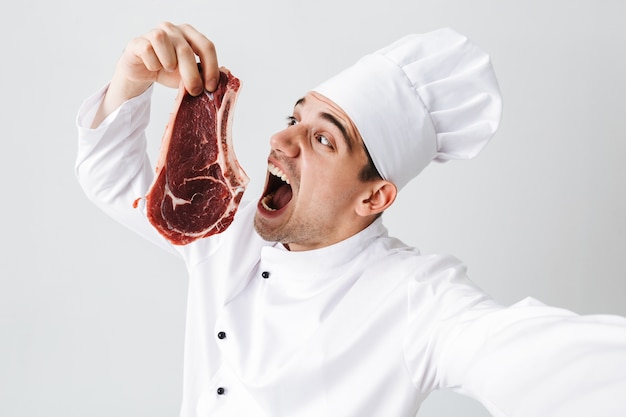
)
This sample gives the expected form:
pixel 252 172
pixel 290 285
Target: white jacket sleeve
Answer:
pixel 112 165
pixel 530 359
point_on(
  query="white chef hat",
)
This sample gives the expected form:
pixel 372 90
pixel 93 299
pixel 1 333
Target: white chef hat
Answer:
pixel 431 96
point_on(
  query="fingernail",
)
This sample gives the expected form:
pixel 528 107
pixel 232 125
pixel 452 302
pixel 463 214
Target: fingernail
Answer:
pixel 212 84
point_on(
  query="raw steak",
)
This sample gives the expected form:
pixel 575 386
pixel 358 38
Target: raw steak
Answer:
pixel 198 183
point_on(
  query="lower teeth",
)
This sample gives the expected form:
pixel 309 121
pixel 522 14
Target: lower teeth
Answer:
pixel 265 200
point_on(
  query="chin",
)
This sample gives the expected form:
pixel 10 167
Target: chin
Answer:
pixel 263 229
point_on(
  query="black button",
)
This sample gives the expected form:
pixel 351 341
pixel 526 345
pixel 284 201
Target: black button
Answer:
pixel 221 391
pixel 221 335
pixel 265 274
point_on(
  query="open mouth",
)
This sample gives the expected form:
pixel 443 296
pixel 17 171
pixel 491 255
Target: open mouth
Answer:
pixel 278 192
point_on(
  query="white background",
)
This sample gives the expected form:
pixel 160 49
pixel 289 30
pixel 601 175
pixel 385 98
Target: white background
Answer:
pixel 92 317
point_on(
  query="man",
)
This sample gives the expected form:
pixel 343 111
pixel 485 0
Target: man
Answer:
pixel 304 306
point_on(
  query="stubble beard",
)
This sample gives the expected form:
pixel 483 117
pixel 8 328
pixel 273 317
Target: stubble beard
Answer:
pixel 294 232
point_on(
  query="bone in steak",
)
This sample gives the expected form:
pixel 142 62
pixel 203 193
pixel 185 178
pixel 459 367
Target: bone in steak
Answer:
pixel 199 182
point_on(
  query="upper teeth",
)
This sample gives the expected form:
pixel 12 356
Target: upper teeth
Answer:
pixel 274 170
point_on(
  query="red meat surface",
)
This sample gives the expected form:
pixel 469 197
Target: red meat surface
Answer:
pixel 199 182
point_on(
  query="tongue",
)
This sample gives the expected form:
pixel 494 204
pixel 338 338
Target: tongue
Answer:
pixel 282 196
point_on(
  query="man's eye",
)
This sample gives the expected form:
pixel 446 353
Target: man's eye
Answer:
pixel 291 121
pixel 324 141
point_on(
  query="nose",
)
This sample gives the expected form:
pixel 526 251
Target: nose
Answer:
pixel 289 140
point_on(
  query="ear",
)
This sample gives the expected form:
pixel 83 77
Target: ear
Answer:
pixel 380 196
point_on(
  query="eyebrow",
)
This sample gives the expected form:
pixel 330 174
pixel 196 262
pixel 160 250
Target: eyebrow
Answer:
pixel 335 121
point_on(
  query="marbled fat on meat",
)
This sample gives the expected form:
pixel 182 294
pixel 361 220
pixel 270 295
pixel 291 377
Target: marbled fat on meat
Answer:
pixel 198 183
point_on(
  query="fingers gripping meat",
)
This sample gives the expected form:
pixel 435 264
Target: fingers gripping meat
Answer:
pixel 198 183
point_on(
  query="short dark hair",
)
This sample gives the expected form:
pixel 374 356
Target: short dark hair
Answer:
pixel 369 172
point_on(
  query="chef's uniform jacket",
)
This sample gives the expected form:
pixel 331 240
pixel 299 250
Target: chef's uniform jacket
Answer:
pixel 365 327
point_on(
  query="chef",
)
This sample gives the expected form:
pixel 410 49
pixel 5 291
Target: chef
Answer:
pixel 305 306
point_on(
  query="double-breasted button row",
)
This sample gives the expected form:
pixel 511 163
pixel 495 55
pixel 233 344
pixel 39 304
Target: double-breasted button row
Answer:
pixel 221 390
